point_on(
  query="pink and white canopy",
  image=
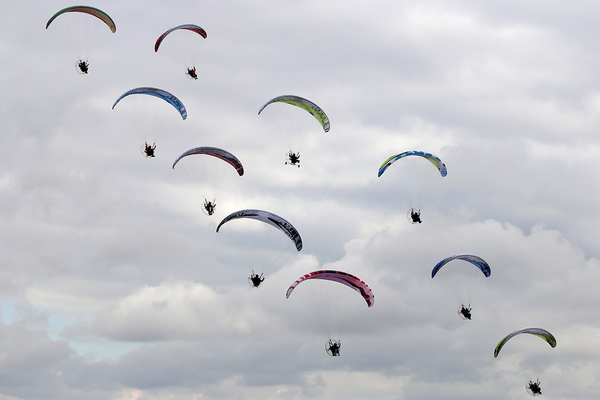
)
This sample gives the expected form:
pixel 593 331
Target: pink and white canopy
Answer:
pixel 341 277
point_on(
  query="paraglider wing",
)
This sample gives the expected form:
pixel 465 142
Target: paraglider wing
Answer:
pixel 268 218
pixel 88 10
pixel 189 27
pixel 337 276
pixel 433 159
pixel 215 152
pixel 475 260
pixel 305 104
pixel 539 332
pixel 161 94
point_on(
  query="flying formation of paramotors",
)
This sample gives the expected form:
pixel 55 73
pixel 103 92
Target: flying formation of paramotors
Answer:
pixel 333 298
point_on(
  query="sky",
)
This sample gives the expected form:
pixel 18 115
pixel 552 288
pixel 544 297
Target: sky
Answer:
pixel 115 285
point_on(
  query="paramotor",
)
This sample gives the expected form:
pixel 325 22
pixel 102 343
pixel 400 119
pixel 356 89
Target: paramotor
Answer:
pixel 293 123
pixel 151 112
pixel 211 169
pixel 528 354
pixel 262 237
pixel 184 45
pixel 82 29
pixel 334 299
pixel 414 178
pixel 463 278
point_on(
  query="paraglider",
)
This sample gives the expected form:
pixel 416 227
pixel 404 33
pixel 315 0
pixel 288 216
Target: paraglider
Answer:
pixel 256 279
pixel 334 299
pixel 260 244
pixel 415 216
pixel 460 278
pixel 211 169
pixel 294 124
pixel 534 388
pixel 150 111
pixel 209 206
pixel 83 67
pixel 414 178
pixel 83 29
pixel 465 312
pixel 333 348
pixel 191 72
pixel 184 45
pixel 293 159
pixel 527 349
pixel 149 150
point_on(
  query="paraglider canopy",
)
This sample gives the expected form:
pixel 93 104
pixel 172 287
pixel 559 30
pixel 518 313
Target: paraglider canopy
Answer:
pixel 337 276
pixel 473 259
pixel 215 152
pixel 189 27
pixel 161 94
pixel 304 104
pixel 436 161
pixel 539 332
pixel 268 218
pixel 104 17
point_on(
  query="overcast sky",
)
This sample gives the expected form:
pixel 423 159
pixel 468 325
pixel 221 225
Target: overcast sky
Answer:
pixel 115 285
